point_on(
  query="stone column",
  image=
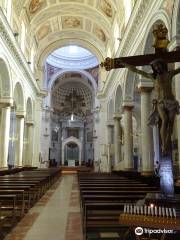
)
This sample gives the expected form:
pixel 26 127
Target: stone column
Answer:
pixel 117 138
pixel 109 133
pixel 20 138
pixel 37 132
pixel 128 138
pixel 29 144
pixel 146 131
pixel 4 130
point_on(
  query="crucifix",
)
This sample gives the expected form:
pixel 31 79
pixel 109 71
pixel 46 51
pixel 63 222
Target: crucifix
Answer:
pixel 165 106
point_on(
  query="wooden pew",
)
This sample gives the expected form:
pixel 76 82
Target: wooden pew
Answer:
pixel 26 188
pixel 103 197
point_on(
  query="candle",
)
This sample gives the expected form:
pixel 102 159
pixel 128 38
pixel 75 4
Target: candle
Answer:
pixel 163 212
pixel 137 209
pixel 152 211
pixel 159 211
pixel 155 211
pixel 134 209
pixel 142 210
pixel 145 210
pixel 170 212
pixel 131 209
pixel 174 212
pixel 127 209
pixel 149 210
pixel 167 213
pixel 124 208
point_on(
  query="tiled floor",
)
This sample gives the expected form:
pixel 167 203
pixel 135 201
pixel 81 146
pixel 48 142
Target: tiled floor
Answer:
pixel 55 217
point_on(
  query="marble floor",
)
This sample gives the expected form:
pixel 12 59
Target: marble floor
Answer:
pixel 56 216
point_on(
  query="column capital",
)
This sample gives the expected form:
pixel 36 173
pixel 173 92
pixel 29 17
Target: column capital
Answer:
pixel 30 122
pixel 128 105
pixel 117 115
pixel 145 86
pixel 20 114
pixel 128 108
pixel 6 102
pixel 110 123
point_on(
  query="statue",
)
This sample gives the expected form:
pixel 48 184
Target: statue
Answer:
pixel 160 38
pixel 165 106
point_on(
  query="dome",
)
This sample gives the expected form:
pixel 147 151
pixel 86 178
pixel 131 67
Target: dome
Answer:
pixel 72 57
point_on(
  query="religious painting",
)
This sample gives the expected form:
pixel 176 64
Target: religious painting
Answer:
pixel 54 136
pixel 106 8
pixel 89 136
pixel 35 5
pixel 72 132
pixel 99 33
pixel 71 22
pixel 43 32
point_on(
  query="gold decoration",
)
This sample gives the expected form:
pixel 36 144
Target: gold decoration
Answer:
pixel 71 22
pixel 106 8
pixel 108 64
pixel 160 37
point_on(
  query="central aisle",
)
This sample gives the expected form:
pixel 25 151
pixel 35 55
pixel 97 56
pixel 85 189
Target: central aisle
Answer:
pixel 55 217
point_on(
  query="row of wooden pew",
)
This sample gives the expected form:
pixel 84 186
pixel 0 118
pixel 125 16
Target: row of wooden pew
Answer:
pixel 102 201
pixel 20 191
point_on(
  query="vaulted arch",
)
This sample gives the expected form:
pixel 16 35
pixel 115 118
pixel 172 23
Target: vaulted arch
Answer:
pixel 19 97
pixel 5 79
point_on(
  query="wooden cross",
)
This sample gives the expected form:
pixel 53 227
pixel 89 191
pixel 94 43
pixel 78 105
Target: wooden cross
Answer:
pixel 160 45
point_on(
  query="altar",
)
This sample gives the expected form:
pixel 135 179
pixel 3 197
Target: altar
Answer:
pixel 71 163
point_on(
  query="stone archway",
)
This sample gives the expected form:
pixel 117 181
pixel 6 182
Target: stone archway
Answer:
pixel 17 123
pixel 28 134
pixel 5 81
pixel 75 141
pixel 6 102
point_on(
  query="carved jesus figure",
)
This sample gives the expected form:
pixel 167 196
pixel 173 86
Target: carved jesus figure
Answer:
pixel 165 106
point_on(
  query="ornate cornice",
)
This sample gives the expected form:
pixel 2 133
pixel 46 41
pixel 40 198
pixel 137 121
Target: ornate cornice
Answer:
pixel 10 41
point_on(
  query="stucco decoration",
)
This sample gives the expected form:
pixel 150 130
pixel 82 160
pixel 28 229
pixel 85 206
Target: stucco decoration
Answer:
pixel 168 6
pixel 5 83
pixel 71 96
pixel 99 33
pixel 35 5
pixel 106 8
pixel 71 22
pixel 76 1
pixel 43 31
